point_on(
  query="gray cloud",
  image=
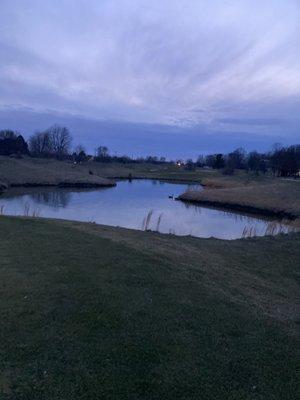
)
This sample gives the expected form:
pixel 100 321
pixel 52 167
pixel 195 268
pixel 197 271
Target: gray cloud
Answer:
pixel 215 65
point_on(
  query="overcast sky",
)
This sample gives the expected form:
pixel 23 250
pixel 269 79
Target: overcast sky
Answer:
pixel 192 73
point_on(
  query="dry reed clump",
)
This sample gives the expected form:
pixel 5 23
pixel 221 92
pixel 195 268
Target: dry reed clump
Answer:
pixel 159 221
pixel 249 231
pixel 35 213
pixel 147 221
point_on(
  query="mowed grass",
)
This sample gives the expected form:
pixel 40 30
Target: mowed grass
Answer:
pixel 93 312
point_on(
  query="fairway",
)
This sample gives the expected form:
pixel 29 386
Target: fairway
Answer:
pixel 92 312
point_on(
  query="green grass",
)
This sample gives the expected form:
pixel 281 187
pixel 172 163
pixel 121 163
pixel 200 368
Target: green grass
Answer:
pixel 93 312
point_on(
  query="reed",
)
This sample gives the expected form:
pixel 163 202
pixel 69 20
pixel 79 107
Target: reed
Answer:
pixel 147 220
pixel 158 222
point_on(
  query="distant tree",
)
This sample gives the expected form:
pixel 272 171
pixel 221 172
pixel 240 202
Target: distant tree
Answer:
pixel 263 166
pixel 79 154
pixel 21 145
pixel 215 161
pixel 61 140
pixel 102 152
pixel 210 160
pixel 54 142
pixel 276 147
pixel 79 149
pixel 219 161
pixel 286 161
pixel 236 159
pixel 254 161
pixel 200 161
pixel 151 159
pixel 8 134
pixel 12 143
pixel 123 159
pixel 190 165
pixel 40 144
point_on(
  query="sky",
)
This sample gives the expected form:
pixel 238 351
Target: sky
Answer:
pixel 166 77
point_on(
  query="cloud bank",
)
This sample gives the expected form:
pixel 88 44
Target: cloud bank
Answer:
pixel 218 66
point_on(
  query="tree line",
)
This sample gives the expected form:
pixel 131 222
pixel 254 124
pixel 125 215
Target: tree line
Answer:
pixel 281 161
pixel 56 142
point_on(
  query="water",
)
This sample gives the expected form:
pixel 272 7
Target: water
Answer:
pixel 140 204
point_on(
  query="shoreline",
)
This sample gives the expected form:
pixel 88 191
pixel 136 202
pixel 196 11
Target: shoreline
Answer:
pixel 221 205
pixel 278 199
pixel 240 208
pixel 66 184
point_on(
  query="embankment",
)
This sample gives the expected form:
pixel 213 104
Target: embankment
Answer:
pixel 28 172
pixel 279 199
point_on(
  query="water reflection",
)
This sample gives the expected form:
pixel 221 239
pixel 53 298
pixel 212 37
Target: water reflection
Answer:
pixel 140 204
pixel 52 198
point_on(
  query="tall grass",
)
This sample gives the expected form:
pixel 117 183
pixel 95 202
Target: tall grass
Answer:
pixel 159 221
pixel 147 220
pixel 249 231
pixel 35 213
pixel 26 210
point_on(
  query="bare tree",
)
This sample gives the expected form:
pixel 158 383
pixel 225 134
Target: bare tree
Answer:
pixel 55 141
pixel 102 151
pixel 79 149
pixel 79 154
pixel 40 144
pixel 61 140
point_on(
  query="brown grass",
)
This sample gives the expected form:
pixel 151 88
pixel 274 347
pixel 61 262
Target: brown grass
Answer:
pixel 278 198
pixel 44 172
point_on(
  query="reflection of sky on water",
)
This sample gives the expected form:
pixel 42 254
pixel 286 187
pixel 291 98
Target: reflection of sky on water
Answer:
pixel 128 205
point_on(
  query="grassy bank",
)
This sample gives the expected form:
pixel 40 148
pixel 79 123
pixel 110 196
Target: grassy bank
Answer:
pixel 91 312
pixel 47 172
pixel 278 197
pixel 50 171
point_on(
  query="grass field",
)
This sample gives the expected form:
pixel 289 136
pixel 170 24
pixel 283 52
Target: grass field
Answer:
pixel 45 171
pixel 93 312
pixel 39 170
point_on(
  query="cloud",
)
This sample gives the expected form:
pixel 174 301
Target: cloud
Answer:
pixel 194 63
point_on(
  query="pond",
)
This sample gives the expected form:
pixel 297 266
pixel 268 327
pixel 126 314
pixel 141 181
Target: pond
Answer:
pixel 138 204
